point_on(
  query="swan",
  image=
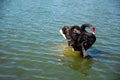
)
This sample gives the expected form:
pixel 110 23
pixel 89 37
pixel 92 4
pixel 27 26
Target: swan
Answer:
pixel 79 38
pixel 85 40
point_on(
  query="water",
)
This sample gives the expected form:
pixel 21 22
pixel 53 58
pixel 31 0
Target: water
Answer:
pixel 31 47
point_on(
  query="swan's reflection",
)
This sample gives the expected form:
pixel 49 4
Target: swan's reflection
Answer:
pixel 77 63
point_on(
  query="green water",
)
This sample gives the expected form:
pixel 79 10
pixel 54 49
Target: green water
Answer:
pixel 31 47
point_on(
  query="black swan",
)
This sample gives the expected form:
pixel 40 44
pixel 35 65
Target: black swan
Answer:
pixel 79 38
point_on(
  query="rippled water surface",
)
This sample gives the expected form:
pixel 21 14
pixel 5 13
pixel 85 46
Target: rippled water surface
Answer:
pixel 31 47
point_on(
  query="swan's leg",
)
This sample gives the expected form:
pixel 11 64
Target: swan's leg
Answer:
pixel 83 51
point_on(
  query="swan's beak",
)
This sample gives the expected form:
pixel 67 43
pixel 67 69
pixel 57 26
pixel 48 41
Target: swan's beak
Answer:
pixel 61 32
pixel 78 32
pixel 93 33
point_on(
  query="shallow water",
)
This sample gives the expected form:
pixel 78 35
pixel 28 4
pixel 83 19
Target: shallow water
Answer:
pixel 31 47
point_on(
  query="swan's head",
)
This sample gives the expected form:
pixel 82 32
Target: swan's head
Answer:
pixel 76 31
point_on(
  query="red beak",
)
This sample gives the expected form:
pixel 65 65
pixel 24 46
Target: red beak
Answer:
pixel 93 30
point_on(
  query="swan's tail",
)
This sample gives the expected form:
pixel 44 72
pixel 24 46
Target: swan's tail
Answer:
pixel 61 32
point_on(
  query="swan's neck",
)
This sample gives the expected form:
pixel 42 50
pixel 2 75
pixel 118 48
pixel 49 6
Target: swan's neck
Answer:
pixel 83 27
